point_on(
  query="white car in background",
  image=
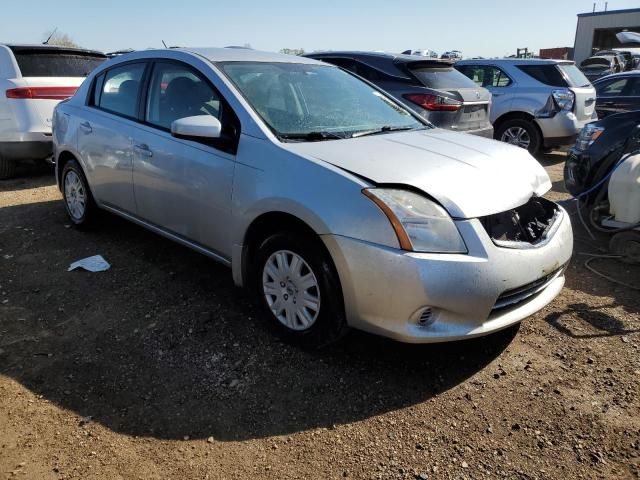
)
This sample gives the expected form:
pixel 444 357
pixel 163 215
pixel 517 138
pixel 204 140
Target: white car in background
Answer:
pixel 33 80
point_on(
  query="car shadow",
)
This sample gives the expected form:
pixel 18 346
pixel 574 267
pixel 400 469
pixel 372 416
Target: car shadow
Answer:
pixel 29 175
pixel 551 158
pixel 163 345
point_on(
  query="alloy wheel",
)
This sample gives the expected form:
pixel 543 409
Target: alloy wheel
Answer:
pixel 517 136
pixel 75 195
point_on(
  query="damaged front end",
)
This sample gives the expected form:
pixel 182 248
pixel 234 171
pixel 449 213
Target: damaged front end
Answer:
pixel 526 226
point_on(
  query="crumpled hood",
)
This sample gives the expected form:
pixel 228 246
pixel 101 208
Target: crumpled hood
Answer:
pixel 469 175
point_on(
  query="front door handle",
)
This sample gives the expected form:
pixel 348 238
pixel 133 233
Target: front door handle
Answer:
pixel 143 149
pixel 86 127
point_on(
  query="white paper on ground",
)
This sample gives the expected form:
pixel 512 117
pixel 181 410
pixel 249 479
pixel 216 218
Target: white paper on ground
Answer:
pixel 91 264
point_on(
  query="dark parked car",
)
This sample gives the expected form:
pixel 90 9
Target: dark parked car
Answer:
pixel 431 87
pixel 598 67
pixel 618 93
pixel 599 146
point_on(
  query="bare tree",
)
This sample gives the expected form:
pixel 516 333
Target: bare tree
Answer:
pixel 59 38
pixel 292 51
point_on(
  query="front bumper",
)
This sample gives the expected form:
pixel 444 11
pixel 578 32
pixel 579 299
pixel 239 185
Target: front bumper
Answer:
pixel 386 290
pixel 562 129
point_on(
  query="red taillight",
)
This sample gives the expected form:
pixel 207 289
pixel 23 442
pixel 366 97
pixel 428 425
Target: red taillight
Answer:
pixel 433 102
pixel 42 93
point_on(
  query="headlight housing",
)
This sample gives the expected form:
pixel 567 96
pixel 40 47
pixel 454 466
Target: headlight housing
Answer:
pixel 589 134
pixel 421 225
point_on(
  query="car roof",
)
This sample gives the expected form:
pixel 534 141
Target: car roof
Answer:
pixel 16 47
pixel 244 54
pixel 517 61
pixel 632 73
pixel 396 57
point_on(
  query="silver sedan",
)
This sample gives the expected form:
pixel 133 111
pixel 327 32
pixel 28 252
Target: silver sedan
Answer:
pixel 334 205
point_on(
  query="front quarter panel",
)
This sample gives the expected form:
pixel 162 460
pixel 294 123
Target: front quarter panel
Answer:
pixel 269 178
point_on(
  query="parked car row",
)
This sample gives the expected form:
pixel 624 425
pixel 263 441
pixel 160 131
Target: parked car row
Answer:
pixel 430 87
pixel 537 104
pixel 333 202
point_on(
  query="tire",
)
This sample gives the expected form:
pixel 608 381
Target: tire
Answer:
pixel 627 245
pixel 7 168
pixel 78 200
pixel 297 322
pixel 518 132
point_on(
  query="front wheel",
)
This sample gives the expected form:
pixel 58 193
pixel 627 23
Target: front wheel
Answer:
pixel 521 133
pixel 78 200
pixel 299 291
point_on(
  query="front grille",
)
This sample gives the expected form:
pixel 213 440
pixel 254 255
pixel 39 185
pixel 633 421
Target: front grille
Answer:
pixel 526 224
pixel 516 295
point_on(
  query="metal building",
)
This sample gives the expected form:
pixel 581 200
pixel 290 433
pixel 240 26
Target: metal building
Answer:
pixel 597 31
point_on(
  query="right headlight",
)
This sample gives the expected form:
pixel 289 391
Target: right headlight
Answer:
pixel 420 224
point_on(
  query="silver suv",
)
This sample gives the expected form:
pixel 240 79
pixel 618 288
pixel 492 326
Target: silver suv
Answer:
pixel 537 104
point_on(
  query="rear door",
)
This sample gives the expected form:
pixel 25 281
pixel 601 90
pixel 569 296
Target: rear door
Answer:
pixel 184 186
pixel 105 137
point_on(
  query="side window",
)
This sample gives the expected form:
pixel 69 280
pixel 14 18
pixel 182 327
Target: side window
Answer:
pixel 475 73
pixel 633 89
pixel 495 77
pixel 176 91
pixel 120 89
pixel 345 63
pixel 97 89
pixel 370 73
pixel 612 88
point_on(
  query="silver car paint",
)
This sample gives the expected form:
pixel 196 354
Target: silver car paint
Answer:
pixel 526 94
pixel 453 169
pixel 311 182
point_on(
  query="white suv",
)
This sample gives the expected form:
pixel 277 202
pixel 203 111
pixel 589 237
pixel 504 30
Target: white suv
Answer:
pixel 33 80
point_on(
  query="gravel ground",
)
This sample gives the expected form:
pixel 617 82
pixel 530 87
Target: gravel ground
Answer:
pixel 160 368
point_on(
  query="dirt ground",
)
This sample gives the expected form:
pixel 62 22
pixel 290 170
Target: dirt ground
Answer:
pixel 160 369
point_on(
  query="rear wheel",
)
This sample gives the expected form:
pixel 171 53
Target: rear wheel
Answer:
pixel 7 168
pixel 298 289
pixel 521 133
pixel 78 200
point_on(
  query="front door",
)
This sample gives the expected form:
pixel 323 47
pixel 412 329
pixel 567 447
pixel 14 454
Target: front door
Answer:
pixel 180 185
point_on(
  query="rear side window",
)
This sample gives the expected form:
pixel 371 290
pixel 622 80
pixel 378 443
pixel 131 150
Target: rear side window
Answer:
pixel 486 75
pixel 612 88
pixel 47 63
pixel 438 77
pixel 547 74
pixel 120 89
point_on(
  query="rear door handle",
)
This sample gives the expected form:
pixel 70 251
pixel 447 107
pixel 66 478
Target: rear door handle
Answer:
pixel 143 149
pixel 86 127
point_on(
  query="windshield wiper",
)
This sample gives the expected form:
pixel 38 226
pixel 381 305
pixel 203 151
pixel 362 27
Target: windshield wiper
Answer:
pixel 311 136
pixel 385 129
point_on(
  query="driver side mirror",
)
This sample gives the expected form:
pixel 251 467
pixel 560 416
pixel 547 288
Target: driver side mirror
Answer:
pixel 198 128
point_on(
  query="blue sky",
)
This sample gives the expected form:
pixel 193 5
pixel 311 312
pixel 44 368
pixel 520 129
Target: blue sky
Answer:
pixel 487 28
